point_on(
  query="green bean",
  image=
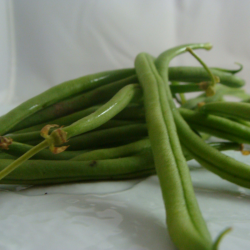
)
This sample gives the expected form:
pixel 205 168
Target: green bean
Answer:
pixel 4 155
pixel 196 73
pixel 198 236
pixel 62 121
pixel 44 172
pixel 69 119
pixel 117 152
pixel 41 172
pixel 25 137
pixel 220 91
pixel 68 106
pixel 187 88
pixel 220 172
pixel 108 137
pixel 185 223
pixel 17 149
pixel 220 146
pixel 57 93
pixel 229 166
pixel 73 87
pixel 36 135
pixel 181 95
pixel 99 117
pixel 104 113
pixel 218 126
pixel 132 112
pixel 139 146
pixel 235 110
pixel 231 71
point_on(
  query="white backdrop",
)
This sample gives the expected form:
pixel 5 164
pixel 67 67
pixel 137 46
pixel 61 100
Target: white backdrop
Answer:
pixel 46 42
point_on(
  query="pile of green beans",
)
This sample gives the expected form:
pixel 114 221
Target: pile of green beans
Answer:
pixel 132 123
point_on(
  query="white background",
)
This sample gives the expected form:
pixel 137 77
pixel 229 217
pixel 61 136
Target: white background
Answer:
pixel 46 42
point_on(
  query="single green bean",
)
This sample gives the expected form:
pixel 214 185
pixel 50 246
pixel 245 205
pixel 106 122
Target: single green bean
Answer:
pixel 198 236
pixel 17 149
pixel 108 137
pixel 235 110
pixel 185 223
pixel 196 73
pixel 137 147
pixel 117 152
pixel 231 71
pixel 41 172
pixel 62 121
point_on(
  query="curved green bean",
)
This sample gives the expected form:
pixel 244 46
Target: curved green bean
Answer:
pixel 223 163
pixel 57 93
pixel 76 103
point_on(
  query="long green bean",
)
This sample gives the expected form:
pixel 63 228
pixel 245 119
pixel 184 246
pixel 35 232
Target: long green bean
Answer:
pixel 235 110
pixel 185 223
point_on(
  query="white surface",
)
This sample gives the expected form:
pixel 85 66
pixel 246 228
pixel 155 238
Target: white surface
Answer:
pixel 124 215
pixel 46 42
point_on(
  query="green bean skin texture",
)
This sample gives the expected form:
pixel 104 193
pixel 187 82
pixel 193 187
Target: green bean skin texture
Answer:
pixel 187 228
pixel 4 155
pixel 235 110
pixel 191 76
pixel 56 94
